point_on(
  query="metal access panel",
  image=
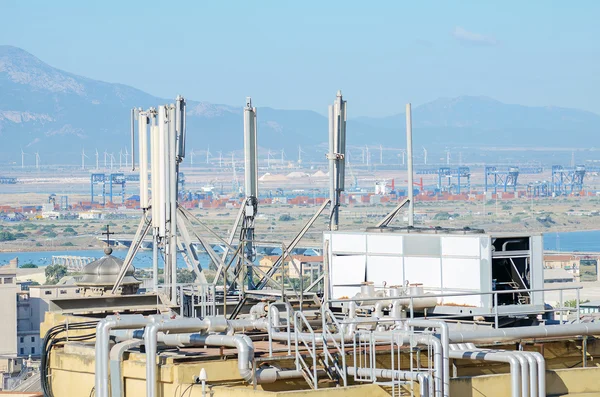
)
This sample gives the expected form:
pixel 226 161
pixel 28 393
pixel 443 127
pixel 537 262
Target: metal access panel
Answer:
pixel 442 263
pixel 445 263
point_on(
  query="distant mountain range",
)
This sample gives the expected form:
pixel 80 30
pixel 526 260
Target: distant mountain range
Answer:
pixel 56 113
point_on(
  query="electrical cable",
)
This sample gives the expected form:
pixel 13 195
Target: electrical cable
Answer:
pixel 51 340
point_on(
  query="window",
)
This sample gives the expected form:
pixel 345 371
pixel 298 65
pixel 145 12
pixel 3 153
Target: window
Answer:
pixel 33 350
pixel 8 280
pixel 33 339
pixel 21 339
pixel 47 292
pixel 22 351
pixel 63 291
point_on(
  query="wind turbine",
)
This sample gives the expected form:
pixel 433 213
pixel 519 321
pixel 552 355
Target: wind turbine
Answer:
pixel 300 151
pixel 97 156
pixel 380 154
pixel 368 155
pixel 192 154
pixel 112 158
pixel 22 158
pixel 268 158
pixel 282 156
pixel 105 158
pixel 402 153
pixel 220 158
pixel 37 160
pixel 121 159
pixel 424 155
pixel 234 184
pixel 126 158
pixel 447 156
pixel 208 153
pixel 83 156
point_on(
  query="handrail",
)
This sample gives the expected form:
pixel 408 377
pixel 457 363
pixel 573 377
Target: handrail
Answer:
pixel 446 295
pixel 288 325
pixel 340 348
pixel 310 344
pixel 206 294
pixel 494 310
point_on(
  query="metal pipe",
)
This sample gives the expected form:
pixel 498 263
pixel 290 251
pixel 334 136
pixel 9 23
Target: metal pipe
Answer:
pixel 536 363
pixel 438 360
pixel 533 374
pixel 519 333
pixel 179 325
pixel 411 207
pixel 541 366
pixel 515 366
pixel 442 327
pixel 102 346
pixel 245 352
pixel 422 378
pixel 116 358
pixel 510 242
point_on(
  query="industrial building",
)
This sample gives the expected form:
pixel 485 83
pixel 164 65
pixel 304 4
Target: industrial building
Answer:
pixel 390 311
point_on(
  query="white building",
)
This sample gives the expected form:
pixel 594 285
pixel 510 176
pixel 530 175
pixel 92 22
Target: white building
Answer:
pixel 90 215
pixel 8 313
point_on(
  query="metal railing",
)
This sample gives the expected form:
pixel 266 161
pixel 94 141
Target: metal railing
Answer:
pixel 330 345
pixel 194 300
pixel 309 345
pixel 364 352
pixel 494 311
pixel 288 326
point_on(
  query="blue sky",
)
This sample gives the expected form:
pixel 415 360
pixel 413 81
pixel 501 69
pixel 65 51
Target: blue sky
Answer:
pixel 295 55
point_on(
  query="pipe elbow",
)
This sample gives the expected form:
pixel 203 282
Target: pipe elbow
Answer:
pixel 275 316
pixel 151 334
pixel 245 348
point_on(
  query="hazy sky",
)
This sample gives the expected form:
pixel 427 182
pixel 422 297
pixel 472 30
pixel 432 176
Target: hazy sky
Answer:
pixel 295 55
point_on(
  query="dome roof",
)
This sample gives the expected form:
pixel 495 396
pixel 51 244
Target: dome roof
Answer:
pixel 104 272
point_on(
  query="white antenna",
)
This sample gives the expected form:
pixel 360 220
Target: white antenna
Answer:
pixel 37 160
pixel 447 156
pixel 207 154
pixel 363 155
pixel 300 151
pixel 380 154
pixel 282 156
pixel 22 158
pixel 368 155
pixel 220 158
pixel 336 156
pixel 83 156
pixel 424 155
pixel 97 156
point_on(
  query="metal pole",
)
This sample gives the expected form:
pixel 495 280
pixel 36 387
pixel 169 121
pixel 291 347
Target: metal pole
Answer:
pixel 331 167
pixel 174 176
pixel 411 207
pixel 155 259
